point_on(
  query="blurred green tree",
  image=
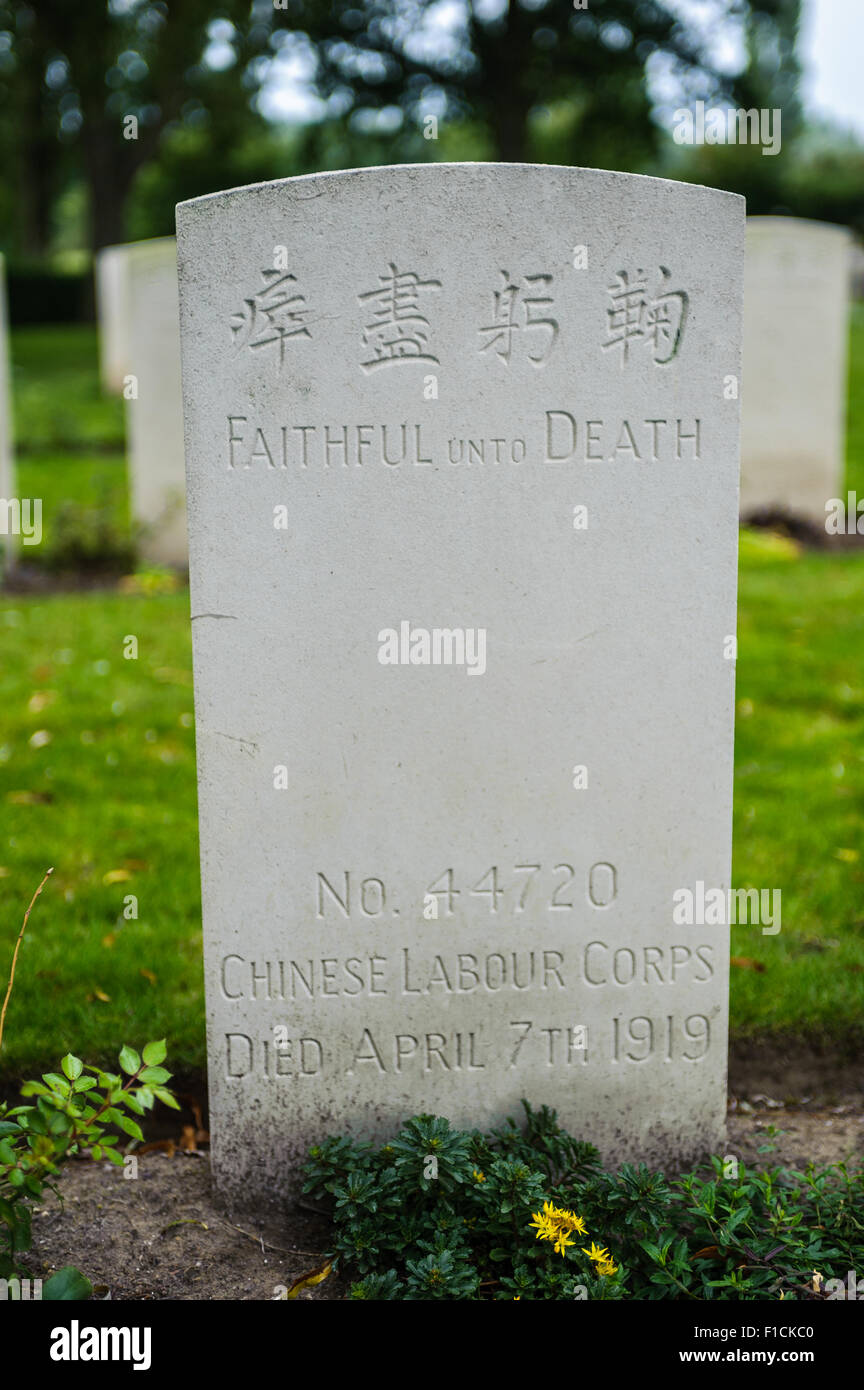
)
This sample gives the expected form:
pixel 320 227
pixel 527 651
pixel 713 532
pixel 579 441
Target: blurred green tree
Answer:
pixel 531 72
pixel 144 102
pixel 94 84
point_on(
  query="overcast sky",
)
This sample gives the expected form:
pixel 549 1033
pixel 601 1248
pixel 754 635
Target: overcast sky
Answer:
pixel 832 50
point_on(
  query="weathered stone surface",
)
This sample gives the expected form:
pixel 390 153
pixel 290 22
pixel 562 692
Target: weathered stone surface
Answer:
pixel 402 385
pixel 796 328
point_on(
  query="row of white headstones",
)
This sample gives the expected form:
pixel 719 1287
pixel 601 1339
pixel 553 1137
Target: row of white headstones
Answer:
pixel 796 297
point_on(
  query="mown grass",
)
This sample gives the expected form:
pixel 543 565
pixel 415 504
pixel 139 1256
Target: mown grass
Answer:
pixel 58 403
pixel 855 407
pixel 97 776
pixel 799 790
pixel 70 443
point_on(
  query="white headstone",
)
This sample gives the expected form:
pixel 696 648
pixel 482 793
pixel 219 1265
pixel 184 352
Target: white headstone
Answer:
pixel 112 305
pixel 462 480
pixel 8 535
pixel 154 409
pixel 796 328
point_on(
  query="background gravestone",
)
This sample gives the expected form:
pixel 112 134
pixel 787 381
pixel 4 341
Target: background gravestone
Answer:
pixel 9 542
pixel 112 304
pixel 401 387
pixel 155 416
pixel 796 328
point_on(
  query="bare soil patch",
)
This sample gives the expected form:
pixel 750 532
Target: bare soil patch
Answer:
pixel 163 1235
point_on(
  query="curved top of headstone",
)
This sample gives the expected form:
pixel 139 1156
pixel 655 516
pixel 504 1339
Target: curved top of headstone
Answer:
pixel 797 226
pixel 142 244
pixel 313 185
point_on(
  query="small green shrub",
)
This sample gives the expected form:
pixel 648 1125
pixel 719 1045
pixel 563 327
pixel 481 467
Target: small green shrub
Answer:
pixel 75 1111
pixel 530 1214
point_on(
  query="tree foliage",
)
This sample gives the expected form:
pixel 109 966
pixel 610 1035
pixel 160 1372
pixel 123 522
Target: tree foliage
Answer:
pixel 144 102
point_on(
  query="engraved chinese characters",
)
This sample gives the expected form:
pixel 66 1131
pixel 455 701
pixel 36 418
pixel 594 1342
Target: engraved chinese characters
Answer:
pixel 399 384
pixel 398 331
pixel 517 310
pixel 276 313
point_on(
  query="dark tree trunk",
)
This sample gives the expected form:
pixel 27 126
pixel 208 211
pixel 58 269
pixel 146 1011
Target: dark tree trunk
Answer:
pixel 110 171
pixel 499 93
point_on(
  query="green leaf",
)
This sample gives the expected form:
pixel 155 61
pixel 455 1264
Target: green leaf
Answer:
pixel 155 1052
pixel 84 1083
pixel 72 1066
pixel 115 1157
pixel 34 1088
pixel 166 1097
pixel 66 1285
pixel 130 1127
pixel 129 1060
pixel 158 1075
pixel 58 1084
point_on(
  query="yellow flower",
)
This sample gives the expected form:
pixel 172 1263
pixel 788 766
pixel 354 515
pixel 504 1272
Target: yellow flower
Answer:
pixel 607 1267
pixel 555 1224
pixel 480 1177
pixel 546 1228
pixel 571 1222
pixel 597 1252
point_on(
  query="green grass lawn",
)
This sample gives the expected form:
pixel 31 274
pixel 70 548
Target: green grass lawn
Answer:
pixel 58 403
pixel 97 776
pixel 799 791
pixel 855 408
pixel 69 441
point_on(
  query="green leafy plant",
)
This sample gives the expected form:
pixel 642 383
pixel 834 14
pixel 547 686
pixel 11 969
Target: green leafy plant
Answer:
pixel 75 1111
pixel 440 1213
pixel 529 1213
